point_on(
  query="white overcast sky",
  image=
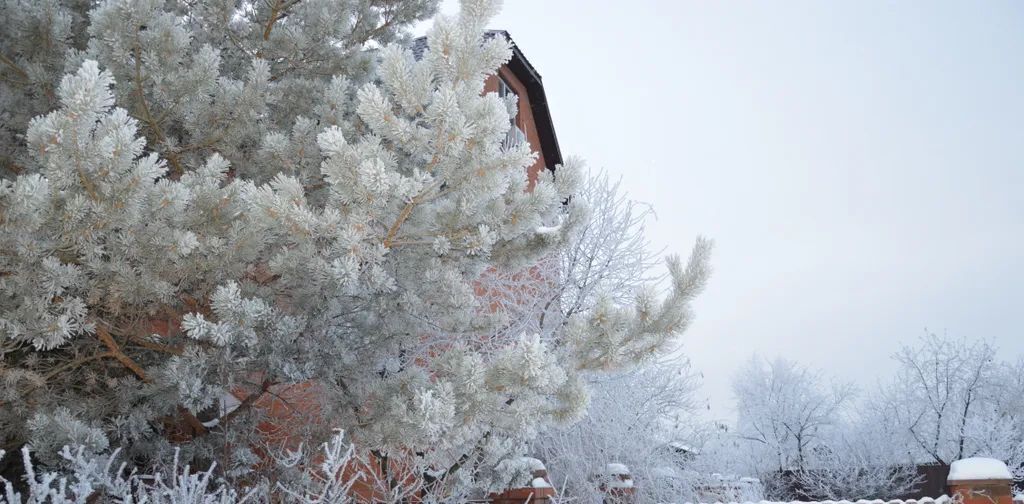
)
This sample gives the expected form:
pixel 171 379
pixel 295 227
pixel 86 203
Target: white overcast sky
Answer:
pixel 860 165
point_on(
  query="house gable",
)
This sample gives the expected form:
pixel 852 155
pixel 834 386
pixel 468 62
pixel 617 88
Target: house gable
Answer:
pixel 534 117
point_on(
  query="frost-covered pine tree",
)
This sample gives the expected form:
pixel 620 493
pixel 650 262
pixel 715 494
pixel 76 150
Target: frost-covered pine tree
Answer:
pixel 212 212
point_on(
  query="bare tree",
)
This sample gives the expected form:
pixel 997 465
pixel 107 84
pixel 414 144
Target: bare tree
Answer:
pixel 945 391
pixel 633 419
pixel 633 414
pixel 784 409
pixel 950 399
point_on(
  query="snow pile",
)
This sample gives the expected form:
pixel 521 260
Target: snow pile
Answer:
pixel 540 483
pixel 681 447
pixel 978 468
pixel 616 469
pixel 531 463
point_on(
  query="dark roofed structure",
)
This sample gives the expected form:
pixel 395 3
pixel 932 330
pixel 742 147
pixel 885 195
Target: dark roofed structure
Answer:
pixel 521 68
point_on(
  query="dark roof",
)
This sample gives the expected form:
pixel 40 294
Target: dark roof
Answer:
pixel 524 71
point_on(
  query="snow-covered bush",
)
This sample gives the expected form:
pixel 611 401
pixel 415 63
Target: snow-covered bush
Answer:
pixel 87 478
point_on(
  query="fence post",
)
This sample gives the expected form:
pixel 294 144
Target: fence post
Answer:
pixel 617 484
pixel 980 481
pixel 537 491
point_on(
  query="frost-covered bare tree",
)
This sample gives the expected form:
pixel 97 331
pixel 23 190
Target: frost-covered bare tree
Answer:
pixel 634 413
pixel 949 399
pixel 1000 431
pixel 636 419
pixel 806 438
pixel 954 399
pixel 606 260
pixel 609 256
pixel 784 409
pixel 227 228
pixel 717 449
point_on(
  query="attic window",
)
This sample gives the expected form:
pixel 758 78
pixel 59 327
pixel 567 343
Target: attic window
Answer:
pixel 505 90
pixel 515 136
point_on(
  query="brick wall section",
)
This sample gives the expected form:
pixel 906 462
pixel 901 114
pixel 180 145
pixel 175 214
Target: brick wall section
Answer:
pixel 528 494
pixel 982 491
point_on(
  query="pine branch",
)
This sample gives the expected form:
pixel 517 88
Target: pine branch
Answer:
pixel 75 363
pixel 393 230
pixel 198 429
pixel 172 158
pixel 156 347
pixel 87 183
pixel 14 66
pixel 247 403
pixel 15 168
pixel 276 13
pixel 407 211
pixel 116 353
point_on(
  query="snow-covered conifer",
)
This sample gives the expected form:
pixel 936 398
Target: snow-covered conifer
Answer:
pixel 230 228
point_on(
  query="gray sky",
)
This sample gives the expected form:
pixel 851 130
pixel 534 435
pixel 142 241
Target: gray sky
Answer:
pixel 860 165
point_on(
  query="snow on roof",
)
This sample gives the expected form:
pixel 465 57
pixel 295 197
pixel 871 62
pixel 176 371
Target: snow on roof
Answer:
pixel 945 499
pixel 616 469
pixel 540 483
pixel 531 463
pixel 978 468
pixel 676 445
